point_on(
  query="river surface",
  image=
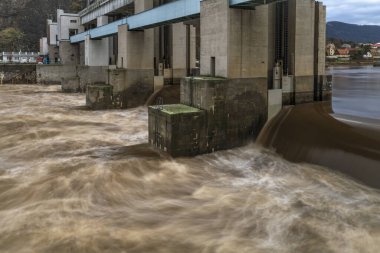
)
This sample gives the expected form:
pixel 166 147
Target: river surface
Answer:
pixel 357 92
pixel 73 180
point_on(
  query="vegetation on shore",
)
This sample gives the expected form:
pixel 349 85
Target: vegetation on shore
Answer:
pixel 23 22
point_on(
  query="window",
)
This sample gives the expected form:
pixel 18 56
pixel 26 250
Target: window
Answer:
pixel 212 66
pixel 73 21
pixel 73 32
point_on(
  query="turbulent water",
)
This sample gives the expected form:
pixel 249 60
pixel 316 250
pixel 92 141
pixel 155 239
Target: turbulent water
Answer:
pixel 73 180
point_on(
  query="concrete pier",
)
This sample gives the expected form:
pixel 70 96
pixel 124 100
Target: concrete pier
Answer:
pixel 99 96
pixel 234 112
pixel 169 129
pixel 133 80
pixel 239 65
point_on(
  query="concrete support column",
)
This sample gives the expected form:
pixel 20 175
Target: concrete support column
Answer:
pixel 82 54
pixel 183 50
pixel 69 53
pixel 136 48
pixel 319 51
pixel 192 47
pixel 53 54
pixel 133 80
pixel 97 52
pixel 143 5
pixel 320 35
pixel 179 50
pixel 234 42
pixel 101 20
pixel 301 48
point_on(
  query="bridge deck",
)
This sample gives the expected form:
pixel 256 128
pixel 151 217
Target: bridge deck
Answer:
pixel 173 12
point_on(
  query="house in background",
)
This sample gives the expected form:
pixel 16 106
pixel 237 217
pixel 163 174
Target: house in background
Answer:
pixel 343 54
pixel 348 46
pixel 330 49
pixel 19 57
pixel 368 55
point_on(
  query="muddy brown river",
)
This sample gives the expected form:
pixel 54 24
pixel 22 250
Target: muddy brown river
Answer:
pixel 73 180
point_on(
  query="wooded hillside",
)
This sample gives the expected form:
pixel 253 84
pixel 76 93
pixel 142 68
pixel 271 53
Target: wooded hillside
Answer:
pixel 23 22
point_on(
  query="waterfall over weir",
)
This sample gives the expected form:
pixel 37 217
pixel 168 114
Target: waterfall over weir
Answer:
pixel 312 133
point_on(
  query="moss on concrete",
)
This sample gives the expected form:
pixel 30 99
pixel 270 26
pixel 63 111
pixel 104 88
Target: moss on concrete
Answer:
pixel 208 78
pixel 176 109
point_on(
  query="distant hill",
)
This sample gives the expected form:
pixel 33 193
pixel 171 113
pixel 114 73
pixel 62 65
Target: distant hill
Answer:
pixel 354 33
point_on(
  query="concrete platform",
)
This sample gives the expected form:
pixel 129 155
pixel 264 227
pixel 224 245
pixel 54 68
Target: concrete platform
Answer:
pixel 214 114
pixel 99 97
pixel 177 129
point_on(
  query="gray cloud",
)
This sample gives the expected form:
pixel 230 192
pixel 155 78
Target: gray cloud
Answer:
pixel 363 12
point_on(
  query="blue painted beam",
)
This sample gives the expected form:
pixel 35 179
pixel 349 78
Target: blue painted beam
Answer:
pixel 176 11
pixel 173 12
pixel 250 2
pixel 107 30
pixel 80 37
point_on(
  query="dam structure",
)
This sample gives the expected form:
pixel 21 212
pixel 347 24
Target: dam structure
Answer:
pixel 237 62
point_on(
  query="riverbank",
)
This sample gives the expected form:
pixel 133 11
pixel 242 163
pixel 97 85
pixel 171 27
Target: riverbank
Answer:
pixel 349 63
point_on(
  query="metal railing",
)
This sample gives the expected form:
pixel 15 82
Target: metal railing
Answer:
pixel 102 7
pixel 92 7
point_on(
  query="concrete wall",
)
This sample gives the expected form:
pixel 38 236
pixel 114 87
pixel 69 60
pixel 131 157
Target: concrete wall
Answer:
pixel 179 53
pixel 96 52
pixel 82 54
pixel 53 74
pixel 131 87
pixel 241 103
pixel 92 74
pixel 193 46
pixel 302 27
pixel 320 35
pixel 85 75
pixel 136 48
pixel 271 42
pixel 18 74
pixel 53 54
pixel 214 36
pixel 248 43
pixel 237 38
pixel 69 53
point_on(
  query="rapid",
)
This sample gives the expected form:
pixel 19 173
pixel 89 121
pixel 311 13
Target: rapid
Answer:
pixel 73 180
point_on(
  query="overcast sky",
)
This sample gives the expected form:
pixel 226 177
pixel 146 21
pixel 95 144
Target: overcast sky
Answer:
pixel 361 12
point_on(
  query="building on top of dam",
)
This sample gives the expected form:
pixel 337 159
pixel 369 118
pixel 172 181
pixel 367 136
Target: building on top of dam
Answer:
pixel 238 61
